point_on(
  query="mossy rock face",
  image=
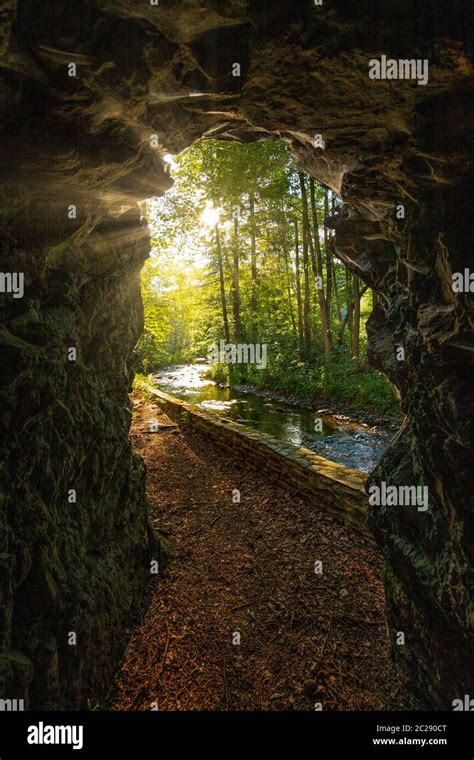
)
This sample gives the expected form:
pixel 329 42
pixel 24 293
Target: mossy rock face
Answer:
pixel 16 672
pixel 77 563
pixel 84 142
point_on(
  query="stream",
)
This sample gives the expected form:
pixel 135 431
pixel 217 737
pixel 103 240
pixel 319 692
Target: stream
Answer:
pixel 348 443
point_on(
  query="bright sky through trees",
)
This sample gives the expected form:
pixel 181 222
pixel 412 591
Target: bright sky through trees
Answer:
pixel 210 216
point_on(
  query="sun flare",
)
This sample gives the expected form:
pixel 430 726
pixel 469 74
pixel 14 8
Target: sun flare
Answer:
pixel 210 216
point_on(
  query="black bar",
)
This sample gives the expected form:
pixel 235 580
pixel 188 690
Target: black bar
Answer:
pixel 324 735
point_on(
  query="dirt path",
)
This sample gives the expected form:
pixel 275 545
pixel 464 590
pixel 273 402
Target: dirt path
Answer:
pixel 248 570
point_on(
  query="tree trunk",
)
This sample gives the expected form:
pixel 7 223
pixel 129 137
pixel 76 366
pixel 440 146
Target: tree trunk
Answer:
pixel 349 318
pixel 317 265
pixel 236 284
pixel 306 241
pixel 329 263
pixel 298 290
pixel 222 285
pixel 347 321
pixel 356 321
pixel 337 300
pixel 286 259
pixel 253 267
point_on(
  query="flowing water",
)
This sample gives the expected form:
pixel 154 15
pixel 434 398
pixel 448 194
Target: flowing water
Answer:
pixel 350 444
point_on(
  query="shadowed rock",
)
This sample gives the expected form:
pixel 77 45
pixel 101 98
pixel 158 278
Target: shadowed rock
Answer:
pixel 88 141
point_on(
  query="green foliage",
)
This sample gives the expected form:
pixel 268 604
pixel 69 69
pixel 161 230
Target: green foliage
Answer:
pixel 248 268
pixel 340 382
pixel 142 385
pixel 184 418
pixel 219 373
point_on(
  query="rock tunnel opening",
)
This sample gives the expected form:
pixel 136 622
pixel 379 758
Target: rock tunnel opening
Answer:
pixel 85 93
pixel 242 251
pixel 225 215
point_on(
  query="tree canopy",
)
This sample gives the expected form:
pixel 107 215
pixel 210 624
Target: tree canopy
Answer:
pixel 240 252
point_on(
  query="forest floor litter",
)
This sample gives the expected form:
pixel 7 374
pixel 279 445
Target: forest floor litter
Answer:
pixel 248 572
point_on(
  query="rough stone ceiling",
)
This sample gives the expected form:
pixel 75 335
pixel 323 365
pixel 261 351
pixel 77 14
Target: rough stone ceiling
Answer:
pixel 166 70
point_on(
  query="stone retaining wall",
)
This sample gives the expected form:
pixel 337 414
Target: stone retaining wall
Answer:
pixel 336 490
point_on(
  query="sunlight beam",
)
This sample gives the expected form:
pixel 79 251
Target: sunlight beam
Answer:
pixel 210 216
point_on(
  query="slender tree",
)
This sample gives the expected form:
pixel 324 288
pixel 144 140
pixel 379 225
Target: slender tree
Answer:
pixel 328 254
pixel 253 268
pixel 286 260
pixel 236 282
pixel 306 290
pixel 220 263
pixel 299 300
pixel 355 337
pixel 317 261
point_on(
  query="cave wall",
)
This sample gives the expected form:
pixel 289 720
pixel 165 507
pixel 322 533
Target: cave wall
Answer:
pixel 80 152
pixel 71 563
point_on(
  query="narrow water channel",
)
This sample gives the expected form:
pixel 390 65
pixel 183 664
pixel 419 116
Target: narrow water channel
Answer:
pixel 353 445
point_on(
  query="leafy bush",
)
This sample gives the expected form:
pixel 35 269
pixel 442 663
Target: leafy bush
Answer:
pixel 337 383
